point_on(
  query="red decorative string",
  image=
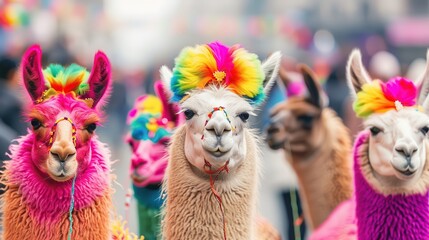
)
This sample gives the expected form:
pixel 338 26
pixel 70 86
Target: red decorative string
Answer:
pixel 207 169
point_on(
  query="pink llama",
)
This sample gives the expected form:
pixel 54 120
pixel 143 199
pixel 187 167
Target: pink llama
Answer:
pixel 58 178
pixel 152 121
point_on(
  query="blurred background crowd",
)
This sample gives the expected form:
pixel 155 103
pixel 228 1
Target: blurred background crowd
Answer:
pixel 141 35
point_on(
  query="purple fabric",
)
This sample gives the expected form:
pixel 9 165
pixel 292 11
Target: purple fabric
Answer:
pixel 392 217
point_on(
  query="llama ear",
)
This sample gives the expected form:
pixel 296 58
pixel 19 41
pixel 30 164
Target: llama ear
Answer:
pixel 99 80
pixel 166 75
pixel 315 91
pixel 169 108
pixel 423 83
pixel 284 77
pixel 32 76
pixel 271 69
pixel 357 76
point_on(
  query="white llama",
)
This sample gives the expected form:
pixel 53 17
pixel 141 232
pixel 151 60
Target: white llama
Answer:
pixel 214 157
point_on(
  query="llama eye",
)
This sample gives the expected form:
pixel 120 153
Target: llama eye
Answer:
pixel 244 116
pixel 305 119
pixel 91 127
pixel 424 130
pixel 36 123
pixel 189 114
pixel 375 130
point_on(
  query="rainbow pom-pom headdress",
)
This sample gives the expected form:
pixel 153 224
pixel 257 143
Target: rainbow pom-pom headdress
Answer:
pixel 214 63
pixel 146 120
pixel 58 79
pixel 380 97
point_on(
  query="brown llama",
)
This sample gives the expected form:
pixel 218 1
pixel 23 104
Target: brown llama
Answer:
pixel 318 147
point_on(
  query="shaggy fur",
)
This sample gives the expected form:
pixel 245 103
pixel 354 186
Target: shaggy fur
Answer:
pixel 395 212
pixel 38 198
pixel 193 207
pixel 384 217
pixel 195 210
pixel 36 207
pixel 325 177
pixel 214 136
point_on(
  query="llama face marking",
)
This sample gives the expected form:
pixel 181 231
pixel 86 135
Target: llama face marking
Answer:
pixel 215 134
pixel 396 145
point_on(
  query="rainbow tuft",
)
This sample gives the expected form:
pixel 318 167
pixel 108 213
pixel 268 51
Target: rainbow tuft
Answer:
pixel 380 97
pixel 73 79
pixel 214 63
pixel 146 120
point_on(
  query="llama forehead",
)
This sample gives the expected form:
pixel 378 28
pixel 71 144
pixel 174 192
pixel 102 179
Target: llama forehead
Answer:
pixel 63 105
pixel 204 100
pixel 409 116
pixel 297 106
pixel 150 148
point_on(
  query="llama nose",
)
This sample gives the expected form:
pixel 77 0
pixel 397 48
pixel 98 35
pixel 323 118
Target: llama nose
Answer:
pixel 62 154
pixel 407 152
pixel 218 127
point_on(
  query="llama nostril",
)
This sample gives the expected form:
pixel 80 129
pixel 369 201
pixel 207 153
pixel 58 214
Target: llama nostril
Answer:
pixel 62 156
pixel 407 154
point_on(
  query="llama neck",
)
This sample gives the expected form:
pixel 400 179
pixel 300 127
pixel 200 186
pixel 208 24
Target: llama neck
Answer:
pixel 192 211
pixel 325 178
pixel 48 200
pixel 387 217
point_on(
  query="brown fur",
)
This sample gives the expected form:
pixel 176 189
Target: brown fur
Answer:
pixel 88 223
pixel 191 210
pixel 320 156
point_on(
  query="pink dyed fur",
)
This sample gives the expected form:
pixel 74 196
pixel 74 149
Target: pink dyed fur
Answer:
pixel 32 71
pixel 148 160
pixel 46 198
pixel 341 224
pixel 99 79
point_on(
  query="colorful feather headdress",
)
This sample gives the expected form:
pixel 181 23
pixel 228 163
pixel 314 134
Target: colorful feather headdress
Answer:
pixel 58 79
pixel 380 97
pixel 146 120
pixel 214 63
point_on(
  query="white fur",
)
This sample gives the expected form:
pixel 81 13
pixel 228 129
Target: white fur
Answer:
pixel 401 131
pixel 223 141
pixel 271 68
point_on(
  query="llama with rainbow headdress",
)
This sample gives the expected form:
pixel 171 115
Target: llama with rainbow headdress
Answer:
pixel 391 168
pixel 58 179
pixel 152 121
pixel 214 164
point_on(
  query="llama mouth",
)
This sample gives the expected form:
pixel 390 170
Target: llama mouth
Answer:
pixel 218 153
pixel 407 172
pixel 138 178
